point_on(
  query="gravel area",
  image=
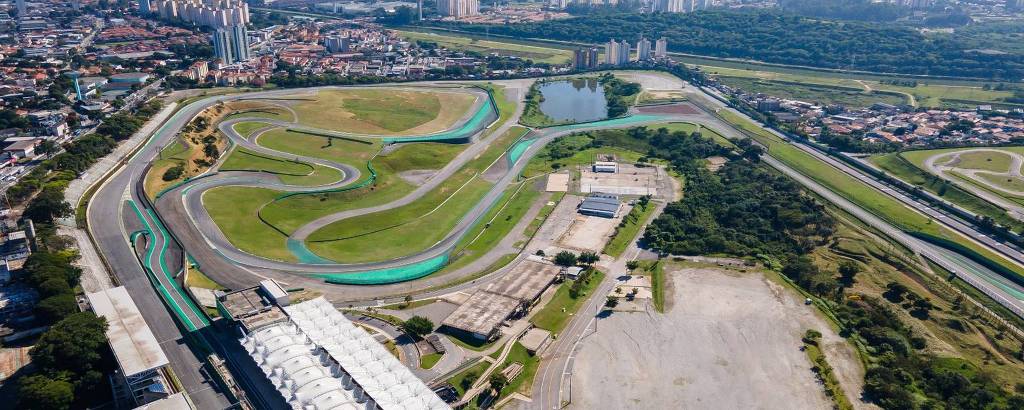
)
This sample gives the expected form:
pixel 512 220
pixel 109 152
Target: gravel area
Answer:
pixel 729 341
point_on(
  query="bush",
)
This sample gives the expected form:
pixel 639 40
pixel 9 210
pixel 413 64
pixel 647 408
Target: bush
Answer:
pixel 173 173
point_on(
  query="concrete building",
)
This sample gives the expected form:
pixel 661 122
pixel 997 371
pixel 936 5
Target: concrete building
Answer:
pixel 585 58
pixel 616 52
pixel 140 377
pixel 668 6
pixel 336 44
pixel 661 48
pixel 603 205
pixel 22 8
pixel 144 7
pixel 483 313
pixel 222 46
pixel 458 8
pixel 643 49
pixel 240 42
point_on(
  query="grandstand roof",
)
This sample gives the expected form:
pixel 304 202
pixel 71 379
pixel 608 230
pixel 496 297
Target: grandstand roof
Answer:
pixel 372 367
pixel 133 343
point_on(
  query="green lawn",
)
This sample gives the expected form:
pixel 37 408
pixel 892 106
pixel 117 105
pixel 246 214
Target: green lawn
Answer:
pixel 1003 181
pixel 851 96
pixel 289 172
pixel 537 53
pixel 897 166
pixel 245 129
pixel 928 93
pixel 530 364
pixel 552 317
pixel 401 231
pixel 428 361
pixel 627 231
pixel 986 160
pixel 420 155
pixel 383 111
pixel 458 380
pixel 197 279
pixel 233 209
pixel 543 162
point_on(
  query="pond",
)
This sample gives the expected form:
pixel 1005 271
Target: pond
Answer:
pixel 577 100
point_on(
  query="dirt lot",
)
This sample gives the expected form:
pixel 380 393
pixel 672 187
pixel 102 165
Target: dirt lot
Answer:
pixel 729 341
pixel 590 233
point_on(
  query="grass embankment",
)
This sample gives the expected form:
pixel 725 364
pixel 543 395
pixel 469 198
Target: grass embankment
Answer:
pixel 189 155
pixel 428 361
pixel 259 109
pixel 383 111
pixel 878 203
pixel 952 327
pixel 289 172
pixel 494 226
pixel 895 164
pixel 628 229
pixel 556 313
pixel 524 381
pixel 533 116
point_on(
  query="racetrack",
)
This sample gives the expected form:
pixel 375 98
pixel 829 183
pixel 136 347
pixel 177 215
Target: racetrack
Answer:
pixel 980 181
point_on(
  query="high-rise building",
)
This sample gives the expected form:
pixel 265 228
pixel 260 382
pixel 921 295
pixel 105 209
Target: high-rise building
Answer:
pixel 585 58
pixel 458 8
pixel 144 7
pixel 336 44
pixel 22 8
pixel 669 6
pixel 661 48
pixel 222 46
pixel 611 52
pixel 643 49
pixel 240 42
pixel 210 13
pixel 623 53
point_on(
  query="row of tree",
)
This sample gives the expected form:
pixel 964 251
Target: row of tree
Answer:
pixel 775 37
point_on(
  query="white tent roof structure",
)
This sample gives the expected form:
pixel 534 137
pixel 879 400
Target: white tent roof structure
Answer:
pixel 320 360
pixel 383 378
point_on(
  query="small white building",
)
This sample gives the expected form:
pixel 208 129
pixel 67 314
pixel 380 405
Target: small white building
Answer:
pixel 606 166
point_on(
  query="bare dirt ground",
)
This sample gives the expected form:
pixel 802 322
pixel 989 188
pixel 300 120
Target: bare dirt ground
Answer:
pixel 417 176
pixel 729 341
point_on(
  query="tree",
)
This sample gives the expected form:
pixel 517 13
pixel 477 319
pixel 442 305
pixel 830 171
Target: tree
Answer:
pixel 47 206
pixel 498 381
pixel 468 381
pixel 633 264
pixel 565 258
pixel 611 302
pixel 418 326
pixel 173 173
pixel 38 392
pixel 588 258
pixel 55 308
pixel 847 271
pixel 74 344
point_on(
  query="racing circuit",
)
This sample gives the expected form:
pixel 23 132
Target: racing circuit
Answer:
pixel 176 223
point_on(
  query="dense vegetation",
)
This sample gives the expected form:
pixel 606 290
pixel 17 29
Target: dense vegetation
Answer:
pixel 778 38
pixel 70 359
pixel 863 10
pixel 618 93
pixel 742 209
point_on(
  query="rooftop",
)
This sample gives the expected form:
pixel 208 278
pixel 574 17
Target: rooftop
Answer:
pixel 486 309
pixel 133 343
